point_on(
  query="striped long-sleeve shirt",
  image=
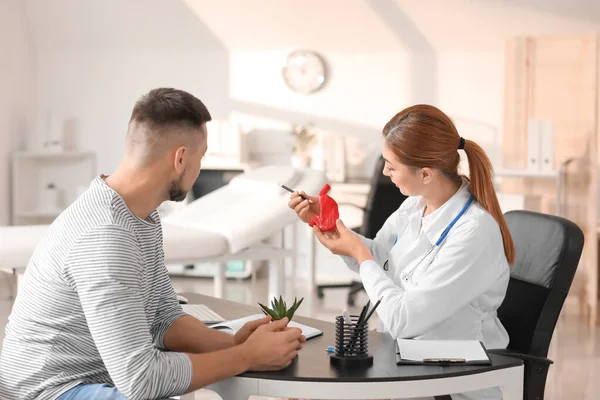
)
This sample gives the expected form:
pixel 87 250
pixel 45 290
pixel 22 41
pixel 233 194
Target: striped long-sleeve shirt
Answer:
pixel 94 307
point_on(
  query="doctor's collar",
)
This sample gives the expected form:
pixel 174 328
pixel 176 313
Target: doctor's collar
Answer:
pixel 434 224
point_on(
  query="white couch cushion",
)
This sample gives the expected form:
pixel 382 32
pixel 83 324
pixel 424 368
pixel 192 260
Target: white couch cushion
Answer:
pixel 189 244
pixel 17 244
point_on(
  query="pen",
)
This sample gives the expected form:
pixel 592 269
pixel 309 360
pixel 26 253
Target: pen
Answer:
pixel 354 337
pixel 292 191
pixel 372 310
pixel 363 312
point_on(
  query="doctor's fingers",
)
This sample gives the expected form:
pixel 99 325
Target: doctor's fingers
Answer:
pixel 334 234
pixel 304 206
pixel 325 241
pixel 295 199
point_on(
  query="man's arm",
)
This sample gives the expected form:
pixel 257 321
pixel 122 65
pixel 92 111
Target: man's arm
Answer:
pixel 105 268
pixel 272 346
pixel 175 330
pixel 188 335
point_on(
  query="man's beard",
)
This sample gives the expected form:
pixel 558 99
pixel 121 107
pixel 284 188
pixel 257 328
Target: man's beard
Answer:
pixel 176 193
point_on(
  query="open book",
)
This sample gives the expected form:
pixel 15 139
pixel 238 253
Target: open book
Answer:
pixel 234 325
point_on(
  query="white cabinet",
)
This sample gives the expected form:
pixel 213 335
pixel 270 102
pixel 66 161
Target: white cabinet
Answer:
pixel 45 183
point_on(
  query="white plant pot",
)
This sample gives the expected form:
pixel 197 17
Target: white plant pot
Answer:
pixel 50 200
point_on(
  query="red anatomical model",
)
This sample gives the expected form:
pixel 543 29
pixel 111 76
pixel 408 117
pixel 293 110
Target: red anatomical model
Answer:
pixel 329 212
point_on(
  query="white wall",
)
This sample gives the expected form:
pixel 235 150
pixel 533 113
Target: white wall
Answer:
pixel 97 58
pixel 471 91
pixel 98 88
pixel 17 85
pixel 366 90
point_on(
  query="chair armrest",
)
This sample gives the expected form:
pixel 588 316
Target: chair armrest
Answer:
pixel 521 356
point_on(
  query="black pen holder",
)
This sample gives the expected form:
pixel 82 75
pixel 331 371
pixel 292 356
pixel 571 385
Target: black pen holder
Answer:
pixel 351 344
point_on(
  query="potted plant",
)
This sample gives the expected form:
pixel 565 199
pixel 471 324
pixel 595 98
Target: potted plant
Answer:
pixel 304 140
pixel 279 309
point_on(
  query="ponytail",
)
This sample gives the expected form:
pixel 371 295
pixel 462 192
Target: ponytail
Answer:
pixel 482 189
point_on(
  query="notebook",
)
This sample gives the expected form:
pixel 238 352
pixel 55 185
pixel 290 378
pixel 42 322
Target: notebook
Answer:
pixel 414 351
pixel 234 325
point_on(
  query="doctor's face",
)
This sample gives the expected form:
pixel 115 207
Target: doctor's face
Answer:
pixel 408 179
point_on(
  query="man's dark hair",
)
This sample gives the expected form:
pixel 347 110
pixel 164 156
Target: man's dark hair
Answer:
pixel 167 107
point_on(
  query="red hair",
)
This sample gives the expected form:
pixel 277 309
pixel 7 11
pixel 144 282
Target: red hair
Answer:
pixel 423 136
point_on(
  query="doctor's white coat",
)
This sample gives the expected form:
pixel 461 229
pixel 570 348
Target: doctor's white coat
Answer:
pixel 455 290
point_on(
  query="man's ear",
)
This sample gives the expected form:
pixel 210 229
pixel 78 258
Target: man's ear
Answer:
pixel 180 159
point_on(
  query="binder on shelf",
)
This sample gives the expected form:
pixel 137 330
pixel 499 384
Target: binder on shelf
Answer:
pixel 546 146
pixel 533 144
pixel 441 352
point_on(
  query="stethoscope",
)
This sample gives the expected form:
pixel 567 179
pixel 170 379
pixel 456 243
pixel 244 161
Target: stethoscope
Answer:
pixel 437 244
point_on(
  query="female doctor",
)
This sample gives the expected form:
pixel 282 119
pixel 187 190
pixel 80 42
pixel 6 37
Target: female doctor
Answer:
pixel 440 262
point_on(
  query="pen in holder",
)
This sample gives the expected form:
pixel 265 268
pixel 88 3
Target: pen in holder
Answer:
pixel 351 344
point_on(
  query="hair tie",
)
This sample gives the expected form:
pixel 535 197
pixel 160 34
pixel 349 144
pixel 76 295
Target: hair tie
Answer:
pixel 461 144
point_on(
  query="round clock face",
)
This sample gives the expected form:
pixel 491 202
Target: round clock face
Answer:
pixel 304 71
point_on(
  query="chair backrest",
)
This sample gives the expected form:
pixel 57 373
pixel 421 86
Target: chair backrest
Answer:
pixel 548 249
pixel 384 198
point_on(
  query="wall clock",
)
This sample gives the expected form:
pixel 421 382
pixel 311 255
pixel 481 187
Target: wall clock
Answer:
pixel 305 71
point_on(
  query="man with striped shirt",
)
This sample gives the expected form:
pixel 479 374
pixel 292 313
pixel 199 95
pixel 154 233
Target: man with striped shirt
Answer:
pixel 96 316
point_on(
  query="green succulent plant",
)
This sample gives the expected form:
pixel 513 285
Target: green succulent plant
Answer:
pixel 279 308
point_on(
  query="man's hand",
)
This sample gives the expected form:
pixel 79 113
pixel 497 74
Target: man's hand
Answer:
pixel 272 346
pixel 249 327
pixel 301 340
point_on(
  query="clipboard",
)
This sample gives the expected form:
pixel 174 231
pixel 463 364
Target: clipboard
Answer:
pixel 441 352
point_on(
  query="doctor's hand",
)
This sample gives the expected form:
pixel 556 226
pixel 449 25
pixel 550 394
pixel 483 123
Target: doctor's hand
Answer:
pixel 305 210
pixel 344 242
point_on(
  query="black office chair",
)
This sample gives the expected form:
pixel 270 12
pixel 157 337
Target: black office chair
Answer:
pixel 548 249
pixel 384 198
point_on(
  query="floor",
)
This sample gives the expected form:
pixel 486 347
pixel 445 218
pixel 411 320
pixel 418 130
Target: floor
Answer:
pixel 575 347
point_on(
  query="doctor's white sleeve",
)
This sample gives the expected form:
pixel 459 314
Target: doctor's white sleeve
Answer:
pixel 381 245
pixel 463 269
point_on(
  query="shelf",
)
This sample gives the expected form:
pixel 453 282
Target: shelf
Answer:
pixel 38 213
pixel 58 155
pixel 351 187
pixel 523 173
pixel 33 171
